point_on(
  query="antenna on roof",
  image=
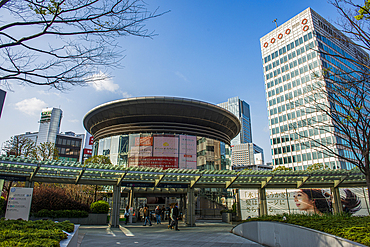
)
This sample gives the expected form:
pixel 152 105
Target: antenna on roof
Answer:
pixel 275 20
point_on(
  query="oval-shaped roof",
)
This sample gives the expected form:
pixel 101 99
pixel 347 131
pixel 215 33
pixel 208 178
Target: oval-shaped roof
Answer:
pixel 161 115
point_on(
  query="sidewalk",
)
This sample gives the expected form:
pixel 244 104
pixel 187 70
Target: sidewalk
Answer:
pixel 206 233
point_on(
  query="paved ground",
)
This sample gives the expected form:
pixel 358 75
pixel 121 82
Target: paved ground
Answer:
pixel 206 233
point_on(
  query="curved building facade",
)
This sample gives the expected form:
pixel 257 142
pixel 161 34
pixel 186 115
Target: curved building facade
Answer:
pixel 163 132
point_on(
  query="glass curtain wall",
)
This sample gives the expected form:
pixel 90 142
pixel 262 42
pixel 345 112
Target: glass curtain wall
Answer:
pixel 165 151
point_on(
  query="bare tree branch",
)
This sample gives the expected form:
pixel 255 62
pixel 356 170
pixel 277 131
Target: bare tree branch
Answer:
pixel 61 43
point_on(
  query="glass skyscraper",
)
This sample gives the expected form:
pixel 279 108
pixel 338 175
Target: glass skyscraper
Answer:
pixel 291 66
pixel 240 108
pixel 49 125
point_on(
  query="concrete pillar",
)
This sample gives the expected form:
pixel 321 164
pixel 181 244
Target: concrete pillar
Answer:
pixel 190 214
pixel 29 184
pixel 262 201
pixel 238 209
pixel 337 204
pixel 116 203
pixel 131 198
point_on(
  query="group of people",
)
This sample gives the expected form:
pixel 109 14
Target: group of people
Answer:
pixel 173 220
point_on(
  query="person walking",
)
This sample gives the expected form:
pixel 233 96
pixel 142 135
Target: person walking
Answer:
pixel 162 212
pixel 170 216
pixel 127 214
pixel 158 213
pixel 146 216
pixel 175 217
pixel 141 214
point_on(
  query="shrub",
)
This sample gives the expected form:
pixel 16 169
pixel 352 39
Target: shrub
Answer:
pixel 42 233
pixel 100 207
pixel 2 205
pixel 54 198
pixel 61 213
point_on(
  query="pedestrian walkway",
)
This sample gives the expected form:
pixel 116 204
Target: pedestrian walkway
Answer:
pixel 206 233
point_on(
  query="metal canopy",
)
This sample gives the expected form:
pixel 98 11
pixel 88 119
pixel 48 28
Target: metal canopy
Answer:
pixel 17 168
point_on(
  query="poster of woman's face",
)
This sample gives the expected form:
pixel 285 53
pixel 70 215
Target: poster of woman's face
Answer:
pixel 304 201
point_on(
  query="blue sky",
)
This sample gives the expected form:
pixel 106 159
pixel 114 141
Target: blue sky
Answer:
pixel 205 50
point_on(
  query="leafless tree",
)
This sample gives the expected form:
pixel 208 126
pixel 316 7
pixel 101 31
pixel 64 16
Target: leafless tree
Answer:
pixel 62 43
pixel 19 146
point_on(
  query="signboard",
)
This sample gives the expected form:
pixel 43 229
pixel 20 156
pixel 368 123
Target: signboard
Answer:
pixel 188 152
pixel 13 178
pixel 19 203
pixel 46 115
pixel 304 201
pixel 164 185
pixel 166 146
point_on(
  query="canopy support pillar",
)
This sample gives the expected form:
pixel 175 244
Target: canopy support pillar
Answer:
pixel 262 202
pixel 190 215
pixel 337 204
pixel 116 203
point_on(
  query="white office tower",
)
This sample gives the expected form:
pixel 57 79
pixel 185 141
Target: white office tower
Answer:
pixel 49 125
pixel 292 68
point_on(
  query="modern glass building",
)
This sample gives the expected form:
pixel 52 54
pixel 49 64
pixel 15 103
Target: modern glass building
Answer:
pixel 292 67
pixel 241 109
pixel 49 125
pixel 163 132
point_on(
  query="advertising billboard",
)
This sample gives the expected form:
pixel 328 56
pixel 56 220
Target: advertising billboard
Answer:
pixel 304 201
pixel 188 152
pixel 166 146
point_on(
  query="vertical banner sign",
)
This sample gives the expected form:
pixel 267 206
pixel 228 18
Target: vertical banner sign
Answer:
pixel 188 152
pixel 165 152
pixel 19 203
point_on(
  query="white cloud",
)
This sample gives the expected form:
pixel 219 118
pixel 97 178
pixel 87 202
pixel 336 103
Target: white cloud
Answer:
pixel 73 120
pixel 126 95
pixel 30 106
pixel 181 76
pixel 102 82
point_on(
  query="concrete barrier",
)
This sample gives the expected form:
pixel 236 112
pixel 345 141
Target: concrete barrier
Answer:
pixel 278 234
pixel 72 239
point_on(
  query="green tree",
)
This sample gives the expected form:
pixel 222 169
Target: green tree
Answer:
pixel 63 43
pixel 317 166
pixel 282 168
pixel 98 159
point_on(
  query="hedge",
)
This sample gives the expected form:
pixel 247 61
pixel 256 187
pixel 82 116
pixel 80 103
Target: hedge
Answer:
pixel 41 233
pixel 61 213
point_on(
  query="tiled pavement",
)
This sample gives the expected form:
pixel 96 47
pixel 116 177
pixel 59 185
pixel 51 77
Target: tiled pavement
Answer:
pixel 206 233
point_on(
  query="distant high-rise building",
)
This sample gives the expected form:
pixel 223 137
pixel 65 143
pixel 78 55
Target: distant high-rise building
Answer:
pixel 49 125
pixel 2 100
pixel 244 154
pixel 240 108
pixel 68 144
pixel 291 64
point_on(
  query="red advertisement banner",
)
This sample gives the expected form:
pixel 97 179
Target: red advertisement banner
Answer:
pixel 159 162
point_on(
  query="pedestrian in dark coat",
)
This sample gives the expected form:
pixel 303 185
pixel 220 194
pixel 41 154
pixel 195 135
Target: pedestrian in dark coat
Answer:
pixel 146 216
pixel 175 217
